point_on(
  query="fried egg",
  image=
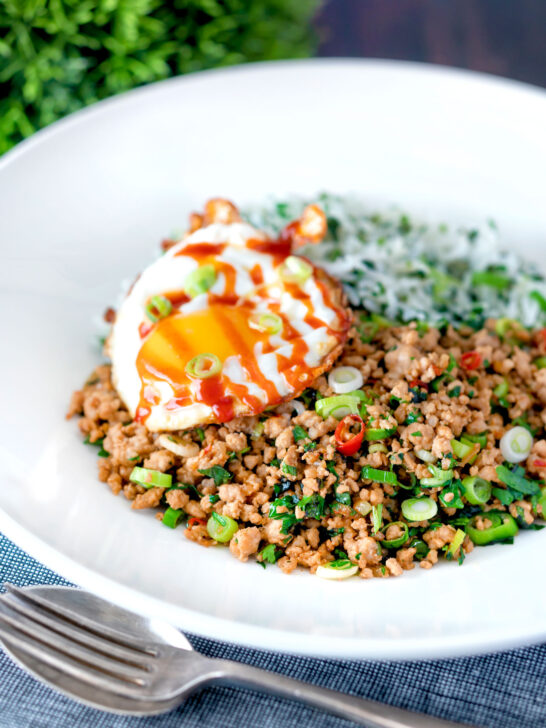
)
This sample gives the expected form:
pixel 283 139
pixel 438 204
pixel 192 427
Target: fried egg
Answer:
pixel 225 324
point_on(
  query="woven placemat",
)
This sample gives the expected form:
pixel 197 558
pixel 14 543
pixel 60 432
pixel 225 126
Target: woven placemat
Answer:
pixel 504 690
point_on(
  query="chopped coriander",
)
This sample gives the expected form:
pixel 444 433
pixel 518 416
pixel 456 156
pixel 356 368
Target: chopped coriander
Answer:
pixel 450 497
pixel 217 473
pixel 309 446
pixel 299 433
pixel 214 498
pixel 343 498
pixel 309 397
pixel 200 432
pixel 269 555
pixel 187 486
pixel 275 463
pixel 289 469
pixel 287 516
pixel 313 505
pixel 539 298
pixel 454 391
pixel 516 480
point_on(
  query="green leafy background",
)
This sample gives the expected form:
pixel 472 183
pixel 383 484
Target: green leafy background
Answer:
pixel 59 55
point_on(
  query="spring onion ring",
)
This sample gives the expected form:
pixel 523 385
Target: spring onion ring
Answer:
pixel 203 366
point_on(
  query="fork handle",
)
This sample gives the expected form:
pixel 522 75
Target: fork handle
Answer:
pixel 359 710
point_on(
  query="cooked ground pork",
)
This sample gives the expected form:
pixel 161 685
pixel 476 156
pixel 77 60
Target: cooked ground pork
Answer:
pixel 298 501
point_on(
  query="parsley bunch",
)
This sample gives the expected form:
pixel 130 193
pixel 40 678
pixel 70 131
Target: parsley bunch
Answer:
pixel 57 56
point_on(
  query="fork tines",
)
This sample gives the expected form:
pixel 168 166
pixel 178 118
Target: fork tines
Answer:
pixel 73 644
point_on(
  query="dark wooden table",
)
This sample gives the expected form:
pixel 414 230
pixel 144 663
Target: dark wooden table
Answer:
pixel 504 37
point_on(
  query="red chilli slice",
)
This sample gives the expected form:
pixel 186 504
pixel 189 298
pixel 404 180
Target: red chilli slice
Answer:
pixel 200 521
pixel 471 360
pixel 539 463
pixel 349 447
pixel 418 383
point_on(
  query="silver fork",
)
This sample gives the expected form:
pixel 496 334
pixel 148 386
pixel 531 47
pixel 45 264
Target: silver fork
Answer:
pixel 115 660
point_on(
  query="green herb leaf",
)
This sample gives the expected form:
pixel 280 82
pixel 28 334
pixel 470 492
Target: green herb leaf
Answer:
pixel 313 505
pixel 269 555
pixel 516 479
pixel 218 474
pixel 299 433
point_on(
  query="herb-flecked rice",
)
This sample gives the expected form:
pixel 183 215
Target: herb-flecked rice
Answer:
pixel 406 270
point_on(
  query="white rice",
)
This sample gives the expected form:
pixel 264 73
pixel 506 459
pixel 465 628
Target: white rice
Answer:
pixel 406 270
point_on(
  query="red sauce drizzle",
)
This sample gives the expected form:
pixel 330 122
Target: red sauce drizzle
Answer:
pixel 163 355
pixel 257 275
pixel 199 251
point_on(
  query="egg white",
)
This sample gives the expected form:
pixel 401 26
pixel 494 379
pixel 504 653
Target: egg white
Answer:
pixel 168 273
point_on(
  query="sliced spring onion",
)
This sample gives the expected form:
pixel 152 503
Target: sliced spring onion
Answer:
pixel 379 434
pixel 461 449
pixel 337 570
pixel 380 476
pixel 338 406
pixel 456 544
pixel 540 363
pixel 295 270
pixel 395 543
pixel 368 326
pixel 297 406
pixel 221 528
pixel 200 280
pixel 257 431
pixel 174 444
pixel 377 447
pixel 345 379
pixel 516 444
pixel 157 308
pixel 204 366
pixel 505 326
pixel 425 455
pixel 171 517
pixel 151 478
pixel 477 491
pixel 481 439
pixel 419 509
pixel 501 390
pixel 377 517
pixel 502 527
pixel 268 323
pixel 439 477
pixel 363 508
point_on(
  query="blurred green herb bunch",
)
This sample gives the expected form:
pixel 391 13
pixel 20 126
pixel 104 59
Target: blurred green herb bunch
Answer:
pixel 59 55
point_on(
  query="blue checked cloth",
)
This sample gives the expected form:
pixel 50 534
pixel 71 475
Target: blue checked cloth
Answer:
pixel 505 690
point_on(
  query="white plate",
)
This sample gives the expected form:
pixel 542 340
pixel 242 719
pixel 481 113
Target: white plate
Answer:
pixel 82 206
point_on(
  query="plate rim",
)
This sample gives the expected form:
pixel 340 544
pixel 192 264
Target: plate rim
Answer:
pixel 262 637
